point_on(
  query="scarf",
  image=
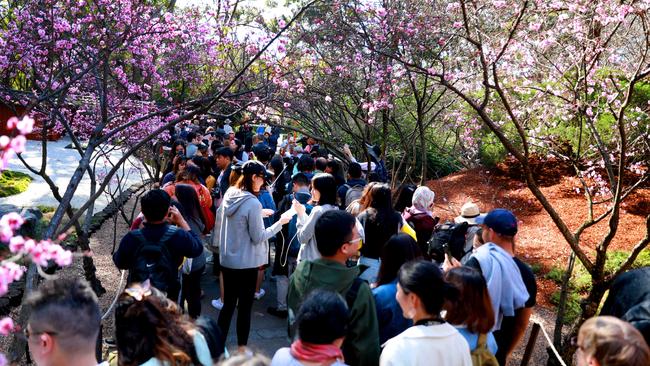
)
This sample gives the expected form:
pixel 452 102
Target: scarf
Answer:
pixel 316 352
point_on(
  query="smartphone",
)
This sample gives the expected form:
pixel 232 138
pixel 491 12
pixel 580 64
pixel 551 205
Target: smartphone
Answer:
pixel 447 250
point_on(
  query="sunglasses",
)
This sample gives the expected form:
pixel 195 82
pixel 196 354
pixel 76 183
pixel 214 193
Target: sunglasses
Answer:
pixel 26 334
pixel 355 241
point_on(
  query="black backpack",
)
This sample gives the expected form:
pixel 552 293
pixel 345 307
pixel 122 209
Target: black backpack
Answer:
pixel 153 261
pixel 447 236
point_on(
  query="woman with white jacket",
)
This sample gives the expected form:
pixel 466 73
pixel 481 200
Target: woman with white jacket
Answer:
pixel 421 292
pixel 323 195
pixel 244 247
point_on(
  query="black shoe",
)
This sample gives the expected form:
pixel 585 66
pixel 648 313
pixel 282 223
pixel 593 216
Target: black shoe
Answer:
pixel 279 313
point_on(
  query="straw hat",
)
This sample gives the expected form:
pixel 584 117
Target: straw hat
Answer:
pixel 469 213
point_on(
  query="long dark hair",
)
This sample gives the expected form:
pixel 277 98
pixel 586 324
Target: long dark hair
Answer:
pixel 203 164
pixel 473 308
pixel 325 184
pixel 380 210
pixel 176 143
pixel 177 164
pixel 399 249
pixel 189 200
pixel 151 327
pixel 250 169
pixel 425 279
pixel 404 196
pixel 239 152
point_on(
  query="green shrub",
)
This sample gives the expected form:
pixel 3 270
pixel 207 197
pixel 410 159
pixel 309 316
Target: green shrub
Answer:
pixel 12 183
pixel 581 280
pixel 616 258
pixel 572 307
pixel 555 275
pixel 536 268
pixel 491 151
pixel 46 209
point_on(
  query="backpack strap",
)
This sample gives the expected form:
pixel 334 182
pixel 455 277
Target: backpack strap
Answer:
pixel 482 341
pixel 352 293
pixel 169 232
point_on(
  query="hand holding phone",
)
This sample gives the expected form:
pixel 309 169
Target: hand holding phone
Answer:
pixel 290 213
pixel 298 207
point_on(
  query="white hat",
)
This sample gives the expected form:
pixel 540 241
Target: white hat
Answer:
pixel 469 213
pixel 364 166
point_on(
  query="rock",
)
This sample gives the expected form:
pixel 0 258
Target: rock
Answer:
pixel 6 208
pixel 32 216
pixel 31 228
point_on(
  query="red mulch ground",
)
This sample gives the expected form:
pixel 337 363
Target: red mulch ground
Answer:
pixel 539 241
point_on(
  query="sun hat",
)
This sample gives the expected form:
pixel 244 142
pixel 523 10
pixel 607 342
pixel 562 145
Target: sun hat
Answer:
pixel 469 213
pixel 500 220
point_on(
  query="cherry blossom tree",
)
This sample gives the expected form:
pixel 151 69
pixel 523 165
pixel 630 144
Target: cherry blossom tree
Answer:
pixel 565 78
pixel 120 74
pixel 21 249
pixel 330 85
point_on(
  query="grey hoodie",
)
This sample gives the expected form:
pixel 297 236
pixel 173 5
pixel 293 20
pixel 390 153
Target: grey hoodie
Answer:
pixel 239 231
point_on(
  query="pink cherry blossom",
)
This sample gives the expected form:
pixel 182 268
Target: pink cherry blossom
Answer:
pixel 17 244
pixel 13 220
pixel 6 326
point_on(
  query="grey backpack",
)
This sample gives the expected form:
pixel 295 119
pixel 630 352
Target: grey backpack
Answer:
pixel 353 193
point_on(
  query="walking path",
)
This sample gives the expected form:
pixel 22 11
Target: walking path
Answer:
pixel 268 333
pixel 61 165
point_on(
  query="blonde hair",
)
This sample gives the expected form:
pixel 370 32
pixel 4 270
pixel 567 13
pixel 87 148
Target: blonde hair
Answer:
pixel 613 342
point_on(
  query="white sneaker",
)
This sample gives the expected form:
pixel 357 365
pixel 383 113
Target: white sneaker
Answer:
pixel 259 295
pixel 217 304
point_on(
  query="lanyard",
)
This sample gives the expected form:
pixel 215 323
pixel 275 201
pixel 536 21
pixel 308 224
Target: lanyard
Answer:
pixel 427 322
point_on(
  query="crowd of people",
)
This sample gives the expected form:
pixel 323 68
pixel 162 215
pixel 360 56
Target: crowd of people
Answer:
pixel 358 272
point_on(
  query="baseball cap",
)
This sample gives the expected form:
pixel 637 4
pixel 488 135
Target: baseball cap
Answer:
pixel 253 167
pixel 500 220
pixel 257 168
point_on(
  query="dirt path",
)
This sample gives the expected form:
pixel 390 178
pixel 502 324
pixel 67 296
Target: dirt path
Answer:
pixel 268 333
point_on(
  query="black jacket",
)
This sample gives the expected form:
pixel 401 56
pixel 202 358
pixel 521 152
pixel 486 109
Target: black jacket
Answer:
pixel 181 244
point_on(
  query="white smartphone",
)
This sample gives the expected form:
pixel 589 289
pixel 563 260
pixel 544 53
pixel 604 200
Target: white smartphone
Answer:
pixel 290 212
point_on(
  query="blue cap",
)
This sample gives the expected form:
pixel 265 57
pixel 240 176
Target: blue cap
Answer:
pixel 500 220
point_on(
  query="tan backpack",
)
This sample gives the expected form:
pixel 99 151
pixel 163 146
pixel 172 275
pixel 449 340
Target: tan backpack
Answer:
pixel 482 356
